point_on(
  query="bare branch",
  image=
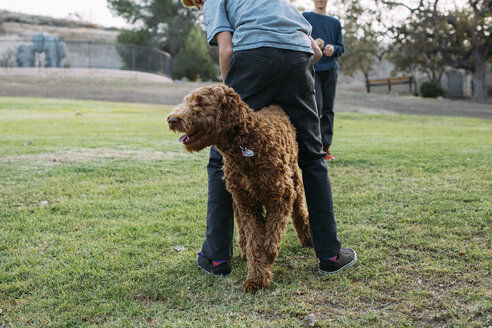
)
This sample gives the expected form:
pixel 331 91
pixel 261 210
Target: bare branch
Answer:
pixel 435 5
pixel 474 5
pixel 393 3
pixel 456 63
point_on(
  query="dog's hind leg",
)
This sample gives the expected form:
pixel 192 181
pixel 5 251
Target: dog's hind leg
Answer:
pixel 300 216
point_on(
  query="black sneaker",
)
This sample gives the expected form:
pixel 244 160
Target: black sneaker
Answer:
pixel 346 259
pixel 223 269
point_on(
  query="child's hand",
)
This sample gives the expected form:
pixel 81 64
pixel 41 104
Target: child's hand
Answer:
pixel 317 50
pixel 329 50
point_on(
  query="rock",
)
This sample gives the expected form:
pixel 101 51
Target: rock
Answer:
pixel 310 320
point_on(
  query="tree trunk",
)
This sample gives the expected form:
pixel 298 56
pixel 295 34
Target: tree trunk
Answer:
pixel 368 85
pixel 479 86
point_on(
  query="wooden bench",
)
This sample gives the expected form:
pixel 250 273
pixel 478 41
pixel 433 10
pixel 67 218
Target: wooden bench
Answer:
pixel 389 82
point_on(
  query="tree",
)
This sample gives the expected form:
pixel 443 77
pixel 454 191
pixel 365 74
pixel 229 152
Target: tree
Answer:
pixel 462 37
pixel 362 50
pixel 362 39
pixel 193 60
pixel 414 50
pixel 167 22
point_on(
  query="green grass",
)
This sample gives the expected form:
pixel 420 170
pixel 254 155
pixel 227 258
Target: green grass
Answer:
pixel 413 196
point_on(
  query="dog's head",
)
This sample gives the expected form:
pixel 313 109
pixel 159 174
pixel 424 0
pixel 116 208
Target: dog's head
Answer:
pixel 205 115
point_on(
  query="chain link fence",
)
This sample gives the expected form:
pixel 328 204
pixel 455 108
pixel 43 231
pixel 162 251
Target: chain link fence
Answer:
pixel 87 54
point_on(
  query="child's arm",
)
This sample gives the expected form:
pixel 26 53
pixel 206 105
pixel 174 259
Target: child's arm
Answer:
pixel 224 40
pixel 317 51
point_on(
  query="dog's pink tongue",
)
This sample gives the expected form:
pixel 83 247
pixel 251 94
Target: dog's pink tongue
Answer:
pixel 183 137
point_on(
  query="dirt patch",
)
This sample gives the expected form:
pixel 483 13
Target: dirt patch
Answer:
pixel 82 75
pixel 130 88
pixel 83 155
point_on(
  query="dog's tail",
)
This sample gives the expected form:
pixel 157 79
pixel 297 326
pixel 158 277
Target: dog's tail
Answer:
pixel 300 216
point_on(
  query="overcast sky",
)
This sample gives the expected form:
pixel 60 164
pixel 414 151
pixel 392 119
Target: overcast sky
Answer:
pixel 94 11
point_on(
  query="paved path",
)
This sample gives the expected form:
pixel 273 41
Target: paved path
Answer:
pixel 381 103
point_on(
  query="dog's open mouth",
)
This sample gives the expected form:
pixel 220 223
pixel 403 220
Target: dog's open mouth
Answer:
pixel 190 138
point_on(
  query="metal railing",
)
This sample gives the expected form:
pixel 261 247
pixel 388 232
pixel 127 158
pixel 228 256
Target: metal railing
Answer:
pixel 89 54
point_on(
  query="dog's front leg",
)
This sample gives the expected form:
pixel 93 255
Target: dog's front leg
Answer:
pixel 253 236
pixel 241 239
pixel 275 224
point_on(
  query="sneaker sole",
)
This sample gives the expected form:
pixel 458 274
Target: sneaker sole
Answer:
pixel 348 265
pixel 210 273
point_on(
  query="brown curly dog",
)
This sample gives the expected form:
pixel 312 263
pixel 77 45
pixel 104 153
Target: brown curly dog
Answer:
pixel 260 170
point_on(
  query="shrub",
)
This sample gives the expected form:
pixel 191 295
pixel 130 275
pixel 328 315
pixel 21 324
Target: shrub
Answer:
pixel 432 89
pixel 193 60
pixel 7 59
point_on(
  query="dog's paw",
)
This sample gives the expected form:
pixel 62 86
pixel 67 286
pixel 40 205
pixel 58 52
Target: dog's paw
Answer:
pixel 252 286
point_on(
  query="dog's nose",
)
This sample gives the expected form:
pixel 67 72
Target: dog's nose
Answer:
pixel 172 120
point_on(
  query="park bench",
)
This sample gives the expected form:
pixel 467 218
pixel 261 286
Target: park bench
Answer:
pixel 389 82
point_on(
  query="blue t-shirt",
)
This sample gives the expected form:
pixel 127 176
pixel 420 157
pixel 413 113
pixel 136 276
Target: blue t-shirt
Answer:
pixel 257 23
pixel 329 29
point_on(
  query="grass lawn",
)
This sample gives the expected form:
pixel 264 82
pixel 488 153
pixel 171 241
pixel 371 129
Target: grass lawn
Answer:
pixel 95 197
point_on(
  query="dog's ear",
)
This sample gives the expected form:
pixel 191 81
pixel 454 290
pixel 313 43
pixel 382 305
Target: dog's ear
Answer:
pixel 231 109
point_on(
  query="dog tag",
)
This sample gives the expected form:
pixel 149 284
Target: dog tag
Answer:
pixel 247 152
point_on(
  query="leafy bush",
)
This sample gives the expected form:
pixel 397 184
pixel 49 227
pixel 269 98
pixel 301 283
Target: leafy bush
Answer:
pixel 193 60
pixel 7 59
pixel 432 89
pixel 139 37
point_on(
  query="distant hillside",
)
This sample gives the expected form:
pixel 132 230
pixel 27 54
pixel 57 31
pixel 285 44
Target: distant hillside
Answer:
pixel 23 26
pixel 14 17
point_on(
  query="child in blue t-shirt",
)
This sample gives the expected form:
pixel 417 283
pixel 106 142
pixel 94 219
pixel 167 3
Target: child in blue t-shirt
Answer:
pixel 266 56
